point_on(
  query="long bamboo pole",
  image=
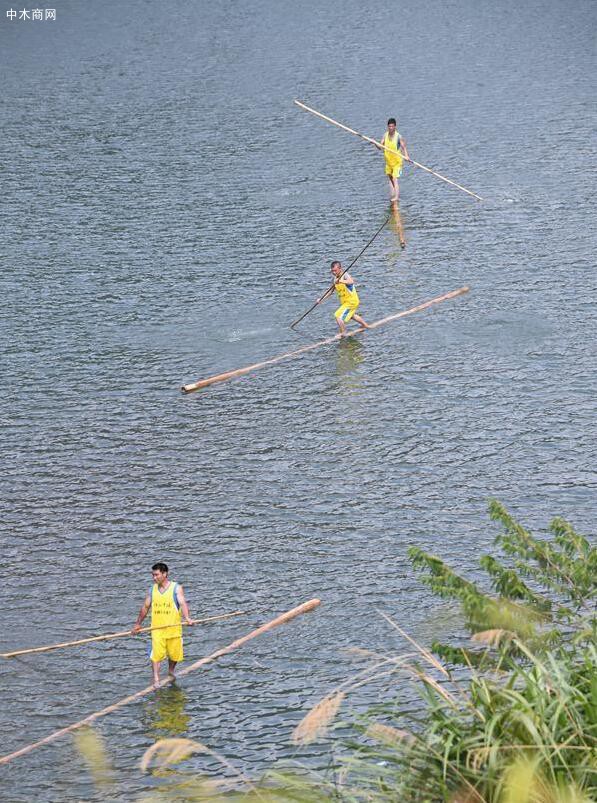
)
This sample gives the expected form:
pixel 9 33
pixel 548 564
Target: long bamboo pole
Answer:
pixel 108 636
pixel 333 284
pixel 379 145
pixel 279 620
pixel 212 380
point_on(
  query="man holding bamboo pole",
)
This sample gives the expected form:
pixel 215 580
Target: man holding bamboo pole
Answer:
pixel 394 150
pixel 383 147
pixel 345 287
pixel 166 601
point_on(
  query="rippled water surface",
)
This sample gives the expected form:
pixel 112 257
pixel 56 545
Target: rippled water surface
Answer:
pixel 166 212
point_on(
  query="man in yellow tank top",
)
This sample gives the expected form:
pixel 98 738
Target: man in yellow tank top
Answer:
pixel 166 601
pixel 345 287
pixel 394 156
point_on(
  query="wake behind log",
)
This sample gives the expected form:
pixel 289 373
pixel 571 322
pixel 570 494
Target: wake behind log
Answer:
pixel 212 380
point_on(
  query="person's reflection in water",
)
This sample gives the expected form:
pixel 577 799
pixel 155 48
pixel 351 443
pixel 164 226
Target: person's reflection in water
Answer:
pixel 350 356
pixel 397 224
pixel 164 713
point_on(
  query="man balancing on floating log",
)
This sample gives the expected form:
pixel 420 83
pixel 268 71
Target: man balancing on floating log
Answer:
pixel 379 145
pixel 166 601
pixel 394 149
pixel 345 287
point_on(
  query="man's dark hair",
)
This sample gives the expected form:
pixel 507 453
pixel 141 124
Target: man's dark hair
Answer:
pixel 159 567
pixel 335 262
pixel 392 120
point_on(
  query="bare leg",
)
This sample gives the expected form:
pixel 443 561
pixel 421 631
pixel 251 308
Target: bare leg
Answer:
pixel 392 188
pixel 360 320
pixel 171 667
pixel 341 326
pixel 155 666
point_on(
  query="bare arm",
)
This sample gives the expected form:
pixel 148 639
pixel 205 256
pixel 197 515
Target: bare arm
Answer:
pixel 404 149
pixel 327 294
pixel 183 605
pixel 142 614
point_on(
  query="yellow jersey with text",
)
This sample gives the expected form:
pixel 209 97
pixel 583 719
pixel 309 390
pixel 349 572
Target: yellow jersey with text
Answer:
pixel 165 610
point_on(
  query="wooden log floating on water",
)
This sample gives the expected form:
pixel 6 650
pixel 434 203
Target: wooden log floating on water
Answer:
pixel 212 380
pixel 279 620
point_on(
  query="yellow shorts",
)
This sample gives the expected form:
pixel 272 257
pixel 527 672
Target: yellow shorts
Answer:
pixel 161 648
pixel 394 168
pixel 345 312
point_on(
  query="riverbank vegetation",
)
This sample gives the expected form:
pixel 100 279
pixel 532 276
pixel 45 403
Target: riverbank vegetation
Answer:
pixel 508 709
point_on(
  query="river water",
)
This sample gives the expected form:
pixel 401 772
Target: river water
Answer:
pixel 166 212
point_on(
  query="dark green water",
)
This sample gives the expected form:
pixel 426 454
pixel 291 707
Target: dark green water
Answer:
pixel 166 212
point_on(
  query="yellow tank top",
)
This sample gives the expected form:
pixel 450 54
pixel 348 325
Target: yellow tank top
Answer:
pixel 347 293
pixel 165 611
pixel 392 143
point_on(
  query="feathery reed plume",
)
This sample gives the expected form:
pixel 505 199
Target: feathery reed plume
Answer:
pixel 431 659
pixel 389 735
pixel 436 686
pixel 477 757
pixel 316 723
pixel 170 751
pixel 91 747
pixel 520 781
pixel 494 637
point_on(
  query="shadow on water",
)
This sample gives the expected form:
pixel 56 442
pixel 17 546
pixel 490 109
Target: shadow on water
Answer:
pixel 164 715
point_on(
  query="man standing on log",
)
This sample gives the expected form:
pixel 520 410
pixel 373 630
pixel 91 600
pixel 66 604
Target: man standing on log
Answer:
pixel 397 152
pixel 166 601
pixel 345 287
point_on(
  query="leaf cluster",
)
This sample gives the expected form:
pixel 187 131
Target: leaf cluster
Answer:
pixel 541 592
